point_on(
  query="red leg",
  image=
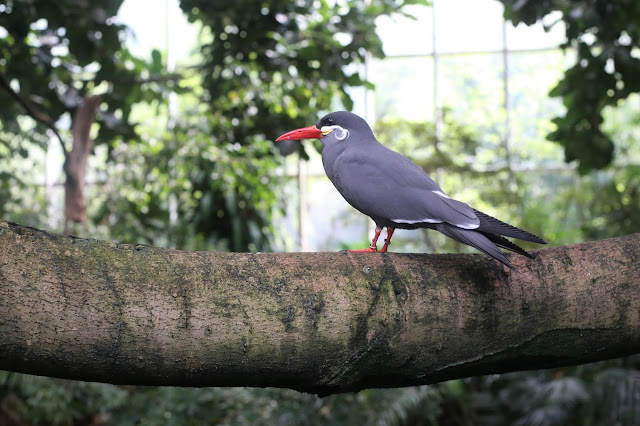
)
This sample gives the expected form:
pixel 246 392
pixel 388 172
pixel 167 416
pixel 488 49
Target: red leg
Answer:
pixel 374 243
pixel 387 241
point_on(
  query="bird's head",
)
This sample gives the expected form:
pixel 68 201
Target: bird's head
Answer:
pixel 335 127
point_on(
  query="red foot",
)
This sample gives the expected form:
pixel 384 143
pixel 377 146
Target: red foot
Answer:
pixel 372 248
pixel 388 240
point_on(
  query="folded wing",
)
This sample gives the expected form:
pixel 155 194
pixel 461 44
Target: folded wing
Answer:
pixel 404 194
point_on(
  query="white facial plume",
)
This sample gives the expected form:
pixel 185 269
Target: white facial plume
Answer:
pixel 341 133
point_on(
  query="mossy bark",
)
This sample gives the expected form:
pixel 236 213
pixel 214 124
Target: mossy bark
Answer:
pixel 316 322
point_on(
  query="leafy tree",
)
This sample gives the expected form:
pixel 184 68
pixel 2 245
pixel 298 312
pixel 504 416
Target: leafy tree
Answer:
pixel 604 35
pixel 64 61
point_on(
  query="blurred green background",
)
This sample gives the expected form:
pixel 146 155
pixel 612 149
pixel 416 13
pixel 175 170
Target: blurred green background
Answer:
pixel 527 110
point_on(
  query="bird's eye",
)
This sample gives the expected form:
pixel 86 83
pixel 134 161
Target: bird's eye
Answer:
pixel 330 121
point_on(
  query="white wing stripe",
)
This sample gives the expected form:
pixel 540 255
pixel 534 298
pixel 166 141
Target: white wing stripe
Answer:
pixel 427 220
pixel 442 194
pixel 430 220
pixel 466 225
pixel 416 221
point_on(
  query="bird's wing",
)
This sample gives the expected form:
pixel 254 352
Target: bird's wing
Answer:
pixel 384 184
pixel 489 224
pixel 475 239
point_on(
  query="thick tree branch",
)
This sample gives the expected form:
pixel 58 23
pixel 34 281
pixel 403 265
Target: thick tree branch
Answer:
pixel 316 322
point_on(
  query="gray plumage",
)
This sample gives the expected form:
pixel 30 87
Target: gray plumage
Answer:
pixel 396 193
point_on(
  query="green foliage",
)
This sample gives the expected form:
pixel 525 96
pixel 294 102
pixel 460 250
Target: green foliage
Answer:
pixel 55 53
pixel 273 65
pixel 42 400
pixel 607 69
pixel 19 199
pixel 419 141
pixel 599 393
pixel 220 195
pixel 615 209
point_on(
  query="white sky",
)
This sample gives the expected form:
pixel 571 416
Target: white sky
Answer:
pixel 462 25
pixel 155 27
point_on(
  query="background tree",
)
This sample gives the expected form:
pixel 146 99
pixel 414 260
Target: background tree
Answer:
pixel 66 62
pixel 604 36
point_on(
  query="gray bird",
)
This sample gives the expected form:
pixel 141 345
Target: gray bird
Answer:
pixel 396 193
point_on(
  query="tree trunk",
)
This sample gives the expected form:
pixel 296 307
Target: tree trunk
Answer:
pixel 316 322
pixel 75 165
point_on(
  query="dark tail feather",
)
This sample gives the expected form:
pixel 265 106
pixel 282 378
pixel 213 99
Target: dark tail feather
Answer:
pixel 506 244
pixel 474 239
pixel 492 225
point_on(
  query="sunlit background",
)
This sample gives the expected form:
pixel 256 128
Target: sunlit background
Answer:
pixel 469 74
pixel 473 73
pixel 480 70
pixel 462 92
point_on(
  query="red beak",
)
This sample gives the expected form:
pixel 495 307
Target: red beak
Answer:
pixel 311 132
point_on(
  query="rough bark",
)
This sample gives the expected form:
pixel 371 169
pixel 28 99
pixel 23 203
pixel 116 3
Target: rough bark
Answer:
pixel 316 322
pixel 75 165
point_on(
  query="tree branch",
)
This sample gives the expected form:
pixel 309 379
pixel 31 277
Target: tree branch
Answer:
pixel 138 80
pixel 32 112
pixel 75 165
pixel 316 322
